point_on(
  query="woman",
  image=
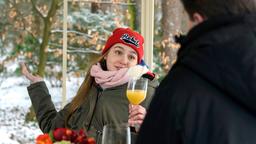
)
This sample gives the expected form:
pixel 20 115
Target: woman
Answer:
pixel 101 99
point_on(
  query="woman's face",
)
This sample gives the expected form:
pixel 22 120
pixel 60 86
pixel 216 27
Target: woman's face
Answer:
pixel 120 56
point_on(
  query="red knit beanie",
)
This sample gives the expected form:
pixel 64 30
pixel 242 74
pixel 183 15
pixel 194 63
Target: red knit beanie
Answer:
pixel 127 37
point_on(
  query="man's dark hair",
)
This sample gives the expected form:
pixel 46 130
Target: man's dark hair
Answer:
pixel 211 8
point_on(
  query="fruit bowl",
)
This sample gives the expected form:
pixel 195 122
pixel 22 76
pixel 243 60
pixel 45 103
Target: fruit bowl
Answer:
pixel 65 136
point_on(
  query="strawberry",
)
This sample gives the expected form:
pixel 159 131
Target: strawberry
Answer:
pixel 59 134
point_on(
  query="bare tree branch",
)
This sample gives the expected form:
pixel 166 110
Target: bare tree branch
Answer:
pixel 78 33
pixel 36 10
pixel 75 49
pixel 54 7
pixel 46 37
pixel 106 2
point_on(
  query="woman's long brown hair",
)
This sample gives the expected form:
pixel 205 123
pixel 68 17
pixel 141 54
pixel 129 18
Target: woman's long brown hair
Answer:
pixel 82 92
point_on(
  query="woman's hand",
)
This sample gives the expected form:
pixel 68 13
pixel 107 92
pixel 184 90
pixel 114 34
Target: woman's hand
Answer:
pixel 137 114
pixel 28 75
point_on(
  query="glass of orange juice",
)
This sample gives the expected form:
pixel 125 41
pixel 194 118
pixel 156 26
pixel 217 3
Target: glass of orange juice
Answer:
pixel 136 93
pixel 137 90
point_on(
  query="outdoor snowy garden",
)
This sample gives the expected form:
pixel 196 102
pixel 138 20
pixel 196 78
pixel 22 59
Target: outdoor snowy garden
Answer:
pixel 14 105
pixel 32 31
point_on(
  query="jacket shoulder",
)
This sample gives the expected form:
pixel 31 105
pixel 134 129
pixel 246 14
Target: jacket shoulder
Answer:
pixel 153 83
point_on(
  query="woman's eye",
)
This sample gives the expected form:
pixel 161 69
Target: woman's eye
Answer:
pixel 131 57
pixel 118 52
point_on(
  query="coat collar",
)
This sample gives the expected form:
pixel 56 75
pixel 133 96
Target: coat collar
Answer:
pixel 213 24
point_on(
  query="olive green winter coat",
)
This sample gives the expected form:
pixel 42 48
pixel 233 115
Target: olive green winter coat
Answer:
pixel 101 107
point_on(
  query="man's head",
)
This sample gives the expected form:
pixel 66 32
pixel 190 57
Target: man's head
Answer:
pixel 211 8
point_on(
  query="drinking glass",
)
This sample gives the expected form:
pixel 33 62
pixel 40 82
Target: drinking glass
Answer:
pixel 136 93
pixel 116 134
pixel 137 90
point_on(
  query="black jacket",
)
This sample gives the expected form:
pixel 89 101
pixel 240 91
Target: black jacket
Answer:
pixel 209 96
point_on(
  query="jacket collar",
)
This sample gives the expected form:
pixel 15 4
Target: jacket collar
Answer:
pixel 213 24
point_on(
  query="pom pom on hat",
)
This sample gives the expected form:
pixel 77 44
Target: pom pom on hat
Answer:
pixel 140 70
pixel 127 37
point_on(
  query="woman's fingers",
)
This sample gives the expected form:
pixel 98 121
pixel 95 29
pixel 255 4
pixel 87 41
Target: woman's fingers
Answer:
pixel 24 69
pixel 28 75
pixel 137 111
pixel 137 115
pixel 135 122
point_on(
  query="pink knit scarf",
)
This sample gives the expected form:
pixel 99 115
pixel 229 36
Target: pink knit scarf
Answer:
pixel 107 79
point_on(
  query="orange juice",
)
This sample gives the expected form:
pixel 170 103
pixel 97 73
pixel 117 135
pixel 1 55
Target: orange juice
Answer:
pixel 135 97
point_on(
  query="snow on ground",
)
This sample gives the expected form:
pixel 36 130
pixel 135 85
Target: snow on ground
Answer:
pixel 15 103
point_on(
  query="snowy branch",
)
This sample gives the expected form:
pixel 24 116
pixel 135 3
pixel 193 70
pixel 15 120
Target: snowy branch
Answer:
pixel 104 2
pixel 78 33
pixel 74 49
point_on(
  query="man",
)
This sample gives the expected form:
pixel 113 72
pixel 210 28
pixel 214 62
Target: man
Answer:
pixel 209 96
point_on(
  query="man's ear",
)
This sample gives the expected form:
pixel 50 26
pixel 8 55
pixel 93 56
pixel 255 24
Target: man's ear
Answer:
pixel 197 18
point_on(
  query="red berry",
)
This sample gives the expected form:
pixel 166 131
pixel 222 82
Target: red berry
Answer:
pixel 90 141
pixel 69 132
pixel 59 133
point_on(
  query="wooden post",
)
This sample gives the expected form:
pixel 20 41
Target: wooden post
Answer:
pixel 147 29
pixel 64 55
